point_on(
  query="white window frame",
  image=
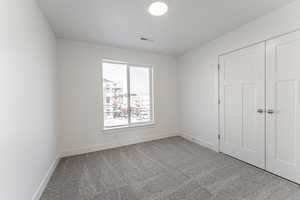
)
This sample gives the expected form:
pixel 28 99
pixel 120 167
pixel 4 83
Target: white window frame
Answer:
pixel 135 124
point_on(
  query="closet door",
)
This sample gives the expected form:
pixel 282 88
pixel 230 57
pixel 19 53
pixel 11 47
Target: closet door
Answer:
pixel 242 95
pixel 283 106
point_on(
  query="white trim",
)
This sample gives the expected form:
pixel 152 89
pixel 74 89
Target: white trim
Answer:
pixel 132 126
pixel 100 147
pixel 199 141
pixel 128 96
pixel 260 41
pixel 82 150
pixel 151 75
pixel 76 151
pixel 37 195
pixel 128 68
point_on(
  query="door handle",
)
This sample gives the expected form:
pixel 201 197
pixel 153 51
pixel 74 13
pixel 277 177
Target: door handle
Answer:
pixel 270 111
pixel 260 110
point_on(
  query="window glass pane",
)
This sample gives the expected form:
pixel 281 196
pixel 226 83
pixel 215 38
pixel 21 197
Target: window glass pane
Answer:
pixel 115 94
pixel 140 97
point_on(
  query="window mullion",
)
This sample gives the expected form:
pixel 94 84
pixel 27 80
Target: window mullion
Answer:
pixel 128 96
pixel 151 93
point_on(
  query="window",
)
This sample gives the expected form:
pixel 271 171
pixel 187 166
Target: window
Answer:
pixel 127 95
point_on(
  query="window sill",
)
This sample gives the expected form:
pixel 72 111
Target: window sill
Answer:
pixel 125 128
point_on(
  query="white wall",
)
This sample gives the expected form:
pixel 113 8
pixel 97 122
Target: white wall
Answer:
pixel 81 97
pixel 27 99
pixel 197 71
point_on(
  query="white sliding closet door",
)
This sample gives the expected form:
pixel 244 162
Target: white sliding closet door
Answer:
pixel 283 106
pixel 242 95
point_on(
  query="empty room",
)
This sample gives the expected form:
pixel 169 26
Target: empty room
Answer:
pixel 150 99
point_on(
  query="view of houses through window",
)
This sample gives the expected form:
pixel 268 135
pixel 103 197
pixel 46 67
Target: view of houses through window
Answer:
pixel 121 81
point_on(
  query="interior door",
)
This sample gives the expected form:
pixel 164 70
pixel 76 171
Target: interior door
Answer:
pixel 283 106
pixel 242 104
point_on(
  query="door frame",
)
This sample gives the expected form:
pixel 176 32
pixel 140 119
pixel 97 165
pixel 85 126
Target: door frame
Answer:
pixel 260 79
pixel 218 77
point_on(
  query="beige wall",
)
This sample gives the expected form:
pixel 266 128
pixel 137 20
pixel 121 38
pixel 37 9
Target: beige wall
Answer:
pixel 28 134
pixel 81 97
pixel 198 75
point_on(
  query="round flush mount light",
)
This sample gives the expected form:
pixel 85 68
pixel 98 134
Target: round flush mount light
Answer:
pixel 158 8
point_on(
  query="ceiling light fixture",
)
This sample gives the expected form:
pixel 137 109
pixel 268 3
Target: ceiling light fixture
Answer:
pixel 158 8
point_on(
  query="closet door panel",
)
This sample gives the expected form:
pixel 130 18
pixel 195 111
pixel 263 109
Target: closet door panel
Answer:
pixel 283 103
pixel 242 93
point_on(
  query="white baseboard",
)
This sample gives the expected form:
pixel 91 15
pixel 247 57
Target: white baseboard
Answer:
pixel 100 147
pixel 199 141
pixel 88 149
pixel 70 152
pixel 37 195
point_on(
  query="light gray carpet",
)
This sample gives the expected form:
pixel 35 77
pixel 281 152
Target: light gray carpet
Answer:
pixel 168 169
